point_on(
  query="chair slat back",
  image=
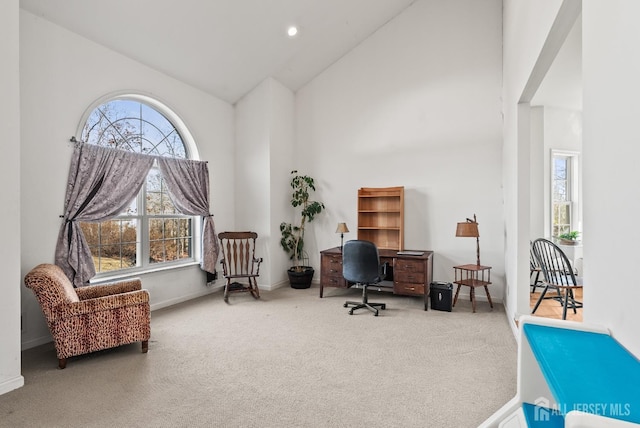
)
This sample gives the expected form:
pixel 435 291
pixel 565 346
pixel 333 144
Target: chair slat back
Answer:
pixel 533 263
pixel 238 252
pixel 555 265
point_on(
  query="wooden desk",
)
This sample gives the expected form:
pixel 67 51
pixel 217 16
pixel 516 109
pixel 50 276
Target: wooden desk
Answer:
pixel 473 276
pixel 411 275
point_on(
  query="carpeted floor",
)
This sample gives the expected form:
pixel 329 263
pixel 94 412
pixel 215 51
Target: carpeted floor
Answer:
pixel 289 359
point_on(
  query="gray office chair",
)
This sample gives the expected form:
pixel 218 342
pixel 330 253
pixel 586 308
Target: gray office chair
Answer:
pixel 361 266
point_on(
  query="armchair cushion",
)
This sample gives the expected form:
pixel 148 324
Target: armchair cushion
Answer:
pixel 94 291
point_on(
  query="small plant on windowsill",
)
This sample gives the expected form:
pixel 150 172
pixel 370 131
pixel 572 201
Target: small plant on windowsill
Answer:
pixel 569 238
pixel 292 240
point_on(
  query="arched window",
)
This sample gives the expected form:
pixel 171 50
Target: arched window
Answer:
pixel 150 231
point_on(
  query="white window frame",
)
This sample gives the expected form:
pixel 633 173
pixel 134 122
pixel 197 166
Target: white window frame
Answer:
pixel 143 246
pixel 574 182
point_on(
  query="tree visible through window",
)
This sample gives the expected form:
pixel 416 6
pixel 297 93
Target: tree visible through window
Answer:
pixel 150 231
pixel 563 192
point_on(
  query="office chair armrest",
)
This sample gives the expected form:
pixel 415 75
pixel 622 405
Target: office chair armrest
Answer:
pixel 383 270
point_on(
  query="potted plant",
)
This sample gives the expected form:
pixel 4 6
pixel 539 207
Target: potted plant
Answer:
pixel 569 238
pixel 292 241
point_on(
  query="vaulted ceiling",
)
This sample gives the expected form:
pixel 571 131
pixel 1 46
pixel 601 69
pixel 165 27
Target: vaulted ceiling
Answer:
pixel 225 47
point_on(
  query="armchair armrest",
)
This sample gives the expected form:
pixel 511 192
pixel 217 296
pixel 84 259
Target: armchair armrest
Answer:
pixel 94 291
pixel 103 303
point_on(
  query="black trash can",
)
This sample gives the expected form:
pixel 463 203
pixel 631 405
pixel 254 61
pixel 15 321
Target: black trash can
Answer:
pixel 441 295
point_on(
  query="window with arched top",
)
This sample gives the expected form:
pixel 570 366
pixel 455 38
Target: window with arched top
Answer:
pixel 150 232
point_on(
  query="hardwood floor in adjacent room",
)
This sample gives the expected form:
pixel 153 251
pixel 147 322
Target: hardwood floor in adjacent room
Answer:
pixel 550 308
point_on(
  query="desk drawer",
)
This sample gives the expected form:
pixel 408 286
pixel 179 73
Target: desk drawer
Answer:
pixel 331 271
pixel 331 266
pixel 409 266
pixel 412 277
pixel 407 288
pixel 333 281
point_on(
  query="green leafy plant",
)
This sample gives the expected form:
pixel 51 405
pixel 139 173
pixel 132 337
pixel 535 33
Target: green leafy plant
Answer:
pixel 571 236
pixel 292 240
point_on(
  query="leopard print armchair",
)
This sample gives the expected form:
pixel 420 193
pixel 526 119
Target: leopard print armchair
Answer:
pixel 92 318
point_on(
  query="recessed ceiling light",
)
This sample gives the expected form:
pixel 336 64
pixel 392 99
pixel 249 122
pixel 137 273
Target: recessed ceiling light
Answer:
pixel 292 31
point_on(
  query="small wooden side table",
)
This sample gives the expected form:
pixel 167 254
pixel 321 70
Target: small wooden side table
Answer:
pixel 473 276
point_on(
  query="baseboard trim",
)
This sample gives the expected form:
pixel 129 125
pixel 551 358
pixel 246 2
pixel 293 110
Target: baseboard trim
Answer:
pixel 32 343
pixel 186 297
pixel 275 286
pixel 480 297
pixel 11 384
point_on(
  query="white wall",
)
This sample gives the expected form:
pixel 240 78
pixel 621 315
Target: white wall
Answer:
pixel 611 68
pixel 282 120
pixel 252 195
pixel 552 128
pixel 264 145
pixel 562 131
pixel 416 105
pixel 62 74
pixel 526 25
pixel 609 153
pixel 539 206
pixel 10 209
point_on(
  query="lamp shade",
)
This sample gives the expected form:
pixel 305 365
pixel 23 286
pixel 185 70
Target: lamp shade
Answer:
pixel 468 229
pixel 342 228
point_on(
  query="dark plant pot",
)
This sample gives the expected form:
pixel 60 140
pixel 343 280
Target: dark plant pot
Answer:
pixel 300 279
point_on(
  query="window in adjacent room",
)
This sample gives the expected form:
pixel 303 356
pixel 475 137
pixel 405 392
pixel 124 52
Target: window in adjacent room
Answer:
pixel 150 232
pixel 565 187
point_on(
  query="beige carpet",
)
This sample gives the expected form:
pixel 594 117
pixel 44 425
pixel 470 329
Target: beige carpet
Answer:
pixel 290 359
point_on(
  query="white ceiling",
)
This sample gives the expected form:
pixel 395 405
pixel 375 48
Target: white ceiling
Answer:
pixel 225 47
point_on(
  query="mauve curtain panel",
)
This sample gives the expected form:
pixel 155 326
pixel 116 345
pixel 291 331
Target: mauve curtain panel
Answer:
pixel 188 184
pixel 102 181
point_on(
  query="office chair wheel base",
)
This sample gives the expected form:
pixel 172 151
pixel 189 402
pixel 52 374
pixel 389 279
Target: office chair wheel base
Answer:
pixel 383 307
pixel 345 305
pixel 350 312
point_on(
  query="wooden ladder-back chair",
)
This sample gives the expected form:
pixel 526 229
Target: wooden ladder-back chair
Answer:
pixel 239 262
pixel 558 274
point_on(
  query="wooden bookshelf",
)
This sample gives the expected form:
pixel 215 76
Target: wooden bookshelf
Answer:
pixel 381 216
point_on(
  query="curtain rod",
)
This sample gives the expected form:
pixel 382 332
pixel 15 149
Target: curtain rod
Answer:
pixel 74 140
